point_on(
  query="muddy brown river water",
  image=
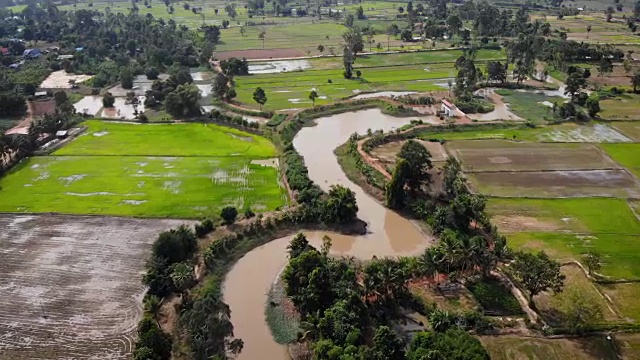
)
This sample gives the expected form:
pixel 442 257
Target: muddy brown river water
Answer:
pixel 388 234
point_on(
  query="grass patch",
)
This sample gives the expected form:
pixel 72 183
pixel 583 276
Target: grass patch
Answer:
pixel 180 187
pixel 510 347
pixel 281 317
pixel 575 278
pixel 628 129
pixel 495 298
pixel 528 105
pixel 628 345
pixel 456 300
pixel 622 107
pixel 625 155
pixel 594 215
pixel 276 120
pixel 625 298
pixel 108 138
pixel 604 225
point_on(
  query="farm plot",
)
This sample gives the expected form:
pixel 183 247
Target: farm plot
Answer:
pixel 182 171
pixel 564 133
pixel 514 347
pixel 629 129
pixel 179 187
pixel 553 184
pixel 622 107
pixel 568 228
pixel 387 152
pixel 501 155
pixel 71 285
pixel 626 155
pixel 417 72
pixel 109 138
pixel 291 89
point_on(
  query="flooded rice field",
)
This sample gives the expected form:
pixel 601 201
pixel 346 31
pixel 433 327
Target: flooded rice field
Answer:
pixel 388 233
pixel 274 67
pixel 383 94
pixel 71 285
pixel 92 105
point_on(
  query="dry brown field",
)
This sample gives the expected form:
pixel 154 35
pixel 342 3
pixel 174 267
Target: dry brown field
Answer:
pixel 71 285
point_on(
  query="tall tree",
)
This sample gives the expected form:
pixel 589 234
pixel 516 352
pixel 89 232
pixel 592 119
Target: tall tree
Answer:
pixel 394 191
pixel 313 95
pixel 537 273
pixel 635 81
pixel 210 329
pixel 419 160
pixel 341 206
pixel 353 41
pixel 387 345
pixel 259 96
pixel 220 86
pixel 593 261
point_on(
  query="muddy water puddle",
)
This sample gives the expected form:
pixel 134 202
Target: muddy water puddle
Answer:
pixel 388 234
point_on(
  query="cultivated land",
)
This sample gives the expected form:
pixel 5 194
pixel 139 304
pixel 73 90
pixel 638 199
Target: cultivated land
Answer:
pixel 419 72
pixel 548 170
pixel 567 132
pixel 626 155
pixel 528 105
pixel 109 138
pixel 181 170
pixel 500 155
pixel 518 348
pixel 554 184
pixel 622 107
pixel 568 228
pixel 71 285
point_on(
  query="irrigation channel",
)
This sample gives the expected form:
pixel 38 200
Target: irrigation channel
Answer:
pixel 388 234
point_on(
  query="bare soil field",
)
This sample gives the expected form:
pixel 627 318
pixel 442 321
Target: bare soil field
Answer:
pixel 259 54
pixel 553 184
pixel 71 285
pixel 500 155
pixel 60 80
pixel 387 152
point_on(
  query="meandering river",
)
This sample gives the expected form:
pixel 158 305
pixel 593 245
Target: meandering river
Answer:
pixel 388 234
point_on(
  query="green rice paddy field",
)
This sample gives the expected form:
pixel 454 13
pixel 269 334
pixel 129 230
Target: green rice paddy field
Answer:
pixel 568 228
pixel 420 72
pixel 180 171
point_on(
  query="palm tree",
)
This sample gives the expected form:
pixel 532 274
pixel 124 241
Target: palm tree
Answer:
pixel 182 276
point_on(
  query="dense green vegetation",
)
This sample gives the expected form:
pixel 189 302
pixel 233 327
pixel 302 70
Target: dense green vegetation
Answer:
pixel 338 310
pixel 495 298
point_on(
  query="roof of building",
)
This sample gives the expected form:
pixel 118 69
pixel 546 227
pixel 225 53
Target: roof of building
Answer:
pixel 62 133
pixel 448 104
pixel 4 50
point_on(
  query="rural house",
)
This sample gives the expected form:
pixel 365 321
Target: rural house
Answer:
pixel 448 108
pixel 32 53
